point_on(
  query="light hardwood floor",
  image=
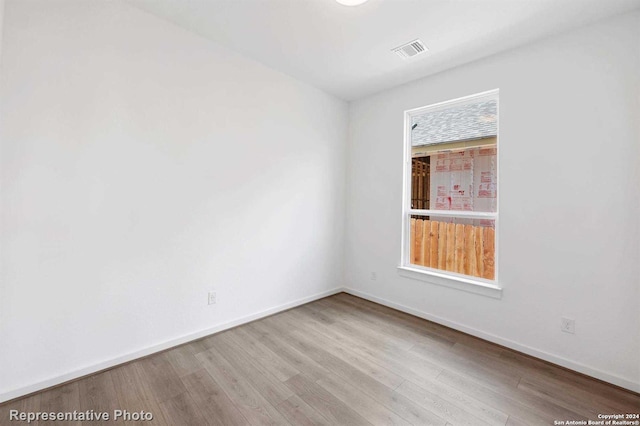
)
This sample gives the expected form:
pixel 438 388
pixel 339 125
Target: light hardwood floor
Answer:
pixel 340 360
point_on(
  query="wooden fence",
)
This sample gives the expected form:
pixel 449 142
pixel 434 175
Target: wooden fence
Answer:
pixel 465 249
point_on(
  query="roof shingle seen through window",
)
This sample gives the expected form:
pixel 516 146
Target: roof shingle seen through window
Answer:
pixel 458 123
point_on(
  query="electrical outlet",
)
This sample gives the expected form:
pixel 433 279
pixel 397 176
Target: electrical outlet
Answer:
pixel 374 276
pixel 212 298
pixel 568 325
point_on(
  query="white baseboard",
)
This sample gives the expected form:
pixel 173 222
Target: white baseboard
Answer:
pixel 53 381
pixel 555 359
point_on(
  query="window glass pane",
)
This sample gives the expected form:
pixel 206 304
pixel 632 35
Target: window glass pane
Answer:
pixel 463 180
pixel 464 122
pixel 454 158
pixel 460 245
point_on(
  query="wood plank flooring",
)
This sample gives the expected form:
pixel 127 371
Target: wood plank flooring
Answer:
pixel 340 360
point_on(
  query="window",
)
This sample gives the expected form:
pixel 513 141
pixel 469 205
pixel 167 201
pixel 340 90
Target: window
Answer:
pixel 450 212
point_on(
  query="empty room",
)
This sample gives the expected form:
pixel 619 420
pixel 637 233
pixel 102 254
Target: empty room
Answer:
pixel 320 212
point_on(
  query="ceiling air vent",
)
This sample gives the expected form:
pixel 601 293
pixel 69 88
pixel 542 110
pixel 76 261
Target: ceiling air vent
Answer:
pixel 410 49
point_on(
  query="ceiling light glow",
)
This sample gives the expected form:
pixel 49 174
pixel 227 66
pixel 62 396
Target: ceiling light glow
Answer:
pixel 351 2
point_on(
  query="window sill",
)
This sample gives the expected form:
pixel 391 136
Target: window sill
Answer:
pixel 451 281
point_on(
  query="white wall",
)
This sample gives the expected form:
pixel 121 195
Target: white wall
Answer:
pixel 142 166
pixel 569 199
pixel 1 22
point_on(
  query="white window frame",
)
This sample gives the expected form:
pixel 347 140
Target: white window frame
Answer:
pixel 437 276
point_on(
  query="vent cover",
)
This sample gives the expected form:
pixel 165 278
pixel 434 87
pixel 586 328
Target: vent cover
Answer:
pixel 410 49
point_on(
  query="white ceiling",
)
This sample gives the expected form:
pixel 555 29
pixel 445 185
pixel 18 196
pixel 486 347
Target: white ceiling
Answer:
pixel 346 50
